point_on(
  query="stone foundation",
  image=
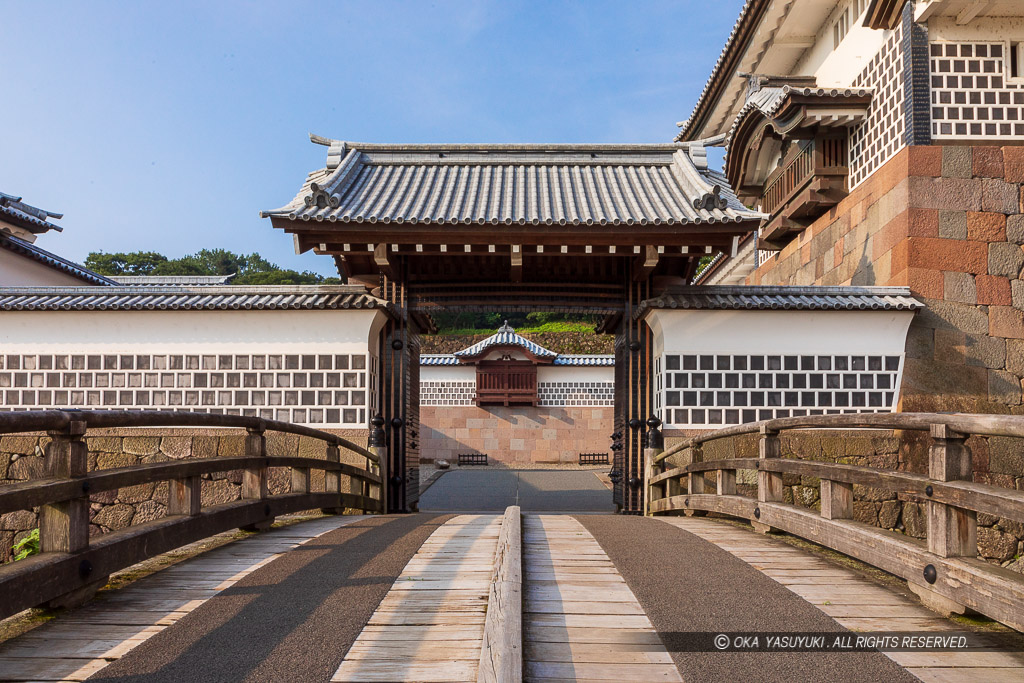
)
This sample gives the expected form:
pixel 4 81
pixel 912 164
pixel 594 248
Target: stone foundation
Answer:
pixel 948 223
pixel 21 458
pixel 516 435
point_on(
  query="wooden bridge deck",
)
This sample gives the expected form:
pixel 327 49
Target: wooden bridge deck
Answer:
pixel 582 617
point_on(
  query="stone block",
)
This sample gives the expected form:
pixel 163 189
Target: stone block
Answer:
pixel 1013 164
pixel 21 445
pixel 1000 196
pixel 993 290
pixel 920 342
pixel 229 446
pixel 141 445
pixel 1015 228
pixel 985 351
pixel 957 162
pixel 865 512
pixel 986 226
pixel 944 194
pixel 995 544
pixel 219 491
pixel 136 494
pixel 1015 356
pixel 889 514
pixel 914 520
pixel 115 517
pixel 947 386
pixel 204 446
pixel 312 448
pixel 19 520
pixel 953 225
pixel 942 254
pixel 959 287
pixel 1006 321
pixel 1004 387
pixel 176 447
pixel 27 467
pixel 105 461
pixel 104 444
pixel 924 160
pixel 148 511
pixel 954 316
pixel 1005 258
pixel 988 162
pixel 1006 456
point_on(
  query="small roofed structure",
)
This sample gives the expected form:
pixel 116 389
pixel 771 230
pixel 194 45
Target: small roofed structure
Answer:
pixel 24 220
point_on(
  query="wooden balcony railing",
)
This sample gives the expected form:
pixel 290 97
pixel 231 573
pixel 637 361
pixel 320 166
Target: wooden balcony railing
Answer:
pixel 506 384
pixel 72 564
pixel 945 563
pixel 812 178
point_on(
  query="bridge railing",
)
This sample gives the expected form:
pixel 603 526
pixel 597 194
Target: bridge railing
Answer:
pixel 70 566
pixel 943 568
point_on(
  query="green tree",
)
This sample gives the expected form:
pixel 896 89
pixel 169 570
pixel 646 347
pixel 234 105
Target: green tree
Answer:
pixel 133 263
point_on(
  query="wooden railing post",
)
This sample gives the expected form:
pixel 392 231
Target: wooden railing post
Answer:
pixel 64 527
pixel 254 479
pixel 836 499
pixel 378 446
pixel 769 484
pixel 300 480
pixel 185 496
pixel 727 482
pixel 696 480
pixel 952 531
pixel 655 447
pixel 332 479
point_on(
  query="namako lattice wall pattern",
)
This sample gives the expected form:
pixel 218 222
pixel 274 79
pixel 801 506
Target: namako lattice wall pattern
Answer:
pixel 324 389
pixel 696 391
pixel 971 94
pixel 881 135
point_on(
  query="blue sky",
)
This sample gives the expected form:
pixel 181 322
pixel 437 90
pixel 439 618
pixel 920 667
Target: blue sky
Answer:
pixel 168 126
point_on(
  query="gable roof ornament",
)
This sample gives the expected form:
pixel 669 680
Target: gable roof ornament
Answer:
pixel 506 336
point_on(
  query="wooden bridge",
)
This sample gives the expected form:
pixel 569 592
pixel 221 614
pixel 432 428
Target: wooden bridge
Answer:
pixel 355 595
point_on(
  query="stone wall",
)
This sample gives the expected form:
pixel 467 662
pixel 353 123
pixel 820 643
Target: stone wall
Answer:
pixel 948 223
pixel 21 458
pixel 514 435
pixel 998 461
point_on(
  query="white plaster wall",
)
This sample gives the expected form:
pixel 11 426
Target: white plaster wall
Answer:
pixel 792 332
pixel 989 29
pixel 572 373
pixel 236 331
pixel 19 271
pixel 841 65
pixel 447 373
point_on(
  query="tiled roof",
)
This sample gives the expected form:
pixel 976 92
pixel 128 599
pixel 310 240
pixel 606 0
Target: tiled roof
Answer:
pixel 122 298
pixel 506 336
pixel 31 218
pixel 29 250
pixel 585 359
pixel 767 100
pixel 173 280
pixel 728 297
pixel 515 184
pixel 438 359
pixel 564 359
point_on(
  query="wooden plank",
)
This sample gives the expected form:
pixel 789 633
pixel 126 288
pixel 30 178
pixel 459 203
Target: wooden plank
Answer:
pixel 430 625
pixel 501 651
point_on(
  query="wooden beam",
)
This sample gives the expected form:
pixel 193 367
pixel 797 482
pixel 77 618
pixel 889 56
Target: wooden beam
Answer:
pixel 517 263
pixel 380 257
pixel 645 263
pixel 971 11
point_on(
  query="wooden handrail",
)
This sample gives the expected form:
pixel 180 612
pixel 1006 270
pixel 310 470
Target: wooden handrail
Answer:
pixel 965 423
pixel 942 569
pixel 44 420
pixel 71 566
